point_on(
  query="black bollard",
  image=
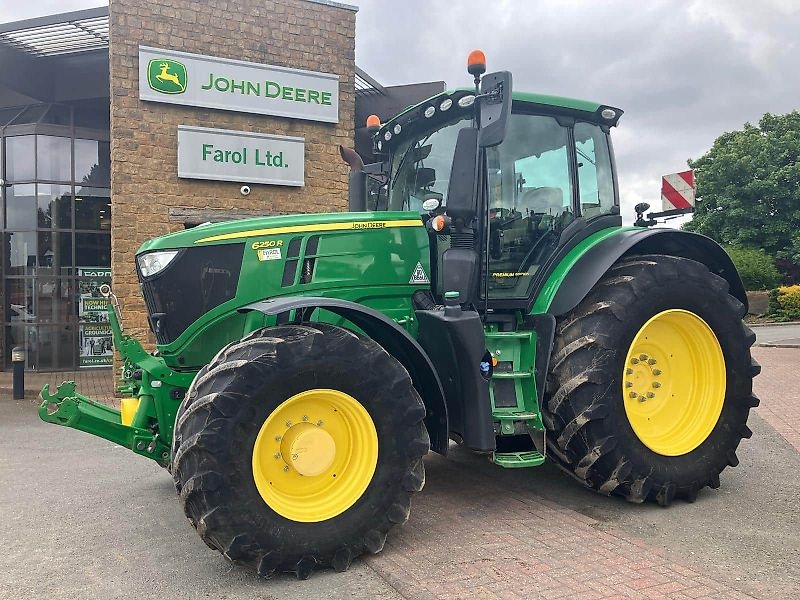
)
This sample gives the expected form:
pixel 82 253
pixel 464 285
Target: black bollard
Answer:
pixel 18 360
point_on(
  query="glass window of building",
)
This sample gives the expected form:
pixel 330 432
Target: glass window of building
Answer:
pixel 21 206
pixel 54 206
pixel 56 223
pixel 20 158
pixel 53 158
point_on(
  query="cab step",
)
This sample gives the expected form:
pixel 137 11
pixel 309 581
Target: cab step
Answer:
pixel 517 460
pixel 512 374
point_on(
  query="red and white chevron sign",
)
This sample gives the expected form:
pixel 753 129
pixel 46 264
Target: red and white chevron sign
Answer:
pixel 677 190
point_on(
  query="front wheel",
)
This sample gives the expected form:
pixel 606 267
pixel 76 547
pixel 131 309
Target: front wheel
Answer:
pixel 651 381
pixel 299 447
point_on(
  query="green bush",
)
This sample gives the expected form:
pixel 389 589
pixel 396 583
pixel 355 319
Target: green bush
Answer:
pixel 784 303
pixel 755 267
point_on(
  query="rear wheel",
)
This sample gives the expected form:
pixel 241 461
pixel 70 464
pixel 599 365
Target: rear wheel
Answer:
pixel 651 381
pixel 299 447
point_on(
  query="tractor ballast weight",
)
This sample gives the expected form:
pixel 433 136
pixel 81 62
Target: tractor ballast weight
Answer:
pixel 482 291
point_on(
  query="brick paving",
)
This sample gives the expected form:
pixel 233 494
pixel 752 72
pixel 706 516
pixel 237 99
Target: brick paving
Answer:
pixel 97 384
pixel 466 541
pixel 780 396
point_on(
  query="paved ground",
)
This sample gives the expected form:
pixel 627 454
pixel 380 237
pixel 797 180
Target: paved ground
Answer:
pixel 97 384
pixel 82 518
pixel 778 335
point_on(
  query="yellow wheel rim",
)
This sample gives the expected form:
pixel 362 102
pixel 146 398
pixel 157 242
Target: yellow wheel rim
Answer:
pixel 315 455
pixel 673 382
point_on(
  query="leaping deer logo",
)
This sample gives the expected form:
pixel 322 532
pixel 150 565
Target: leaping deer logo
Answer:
pixel 166 76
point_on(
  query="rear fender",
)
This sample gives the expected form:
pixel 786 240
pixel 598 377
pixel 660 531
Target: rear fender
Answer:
pixel 393 338
pixel 673 242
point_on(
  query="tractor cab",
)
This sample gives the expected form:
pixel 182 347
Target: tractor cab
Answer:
pixel 549 181
pixel 506 184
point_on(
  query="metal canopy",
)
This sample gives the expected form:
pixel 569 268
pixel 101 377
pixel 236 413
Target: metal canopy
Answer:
pixel 64 33
pixel 366 85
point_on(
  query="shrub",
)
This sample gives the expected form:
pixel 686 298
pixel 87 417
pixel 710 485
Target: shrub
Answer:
pixel 789 270
pixel 784 303
pixel 756 268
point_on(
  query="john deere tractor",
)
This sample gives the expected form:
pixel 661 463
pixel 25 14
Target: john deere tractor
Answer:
pixel 481 291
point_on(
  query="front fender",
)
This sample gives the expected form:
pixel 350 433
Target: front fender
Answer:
pixel 598 258
pixel 393 338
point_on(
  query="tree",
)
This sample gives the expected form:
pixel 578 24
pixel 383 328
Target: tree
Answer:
pixel 748 187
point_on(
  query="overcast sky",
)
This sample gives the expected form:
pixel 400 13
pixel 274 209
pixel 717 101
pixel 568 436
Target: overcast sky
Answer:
pixel 683 71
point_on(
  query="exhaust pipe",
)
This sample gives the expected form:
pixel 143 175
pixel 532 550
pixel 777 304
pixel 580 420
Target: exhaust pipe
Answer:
pixel 357 184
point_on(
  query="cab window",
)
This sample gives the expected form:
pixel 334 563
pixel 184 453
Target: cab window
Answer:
pixel 530 201
pixel 421 167
pixel 595 181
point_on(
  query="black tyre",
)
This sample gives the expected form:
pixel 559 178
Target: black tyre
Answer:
pixel 651 381
pixel 288 511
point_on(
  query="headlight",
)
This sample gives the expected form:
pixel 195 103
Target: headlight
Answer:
pixel 155 262
pixel 466 101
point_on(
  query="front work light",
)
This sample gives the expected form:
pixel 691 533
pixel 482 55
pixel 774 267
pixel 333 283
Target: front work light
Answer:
pixel 155 262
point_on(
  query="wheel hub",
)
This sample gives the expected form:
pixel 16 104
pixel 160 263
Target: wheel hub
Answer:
pixel 309 449
pixel 643 377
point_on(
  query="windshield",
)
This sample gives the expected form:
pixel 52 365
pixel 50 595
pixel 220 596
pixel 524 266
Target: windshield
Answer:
pixel 421 167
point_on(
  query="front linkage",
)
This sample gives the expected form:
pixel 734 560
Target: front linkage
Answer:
pixel 151 393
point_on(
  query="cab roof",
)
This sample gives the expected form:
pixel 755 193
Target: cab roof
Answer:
pixel 586 109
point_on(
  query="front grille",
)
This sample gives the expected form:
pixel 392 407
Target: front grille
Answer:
pixel 195 282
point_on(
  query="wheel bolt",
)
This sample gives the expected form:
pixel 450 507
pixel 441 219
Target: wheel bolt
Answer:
pixel 632 394
pixel 656 372
pixel 642 398
pixel 628 371
pixel 319 423
pixel 288 423
pixel 277 438
pixel 651 395
pixel 643 357
pixel 634 361
pixel 305 417
pixel 656 385
pixel 286 469
pixel 276 455
pixel 651 361
pixel 628 384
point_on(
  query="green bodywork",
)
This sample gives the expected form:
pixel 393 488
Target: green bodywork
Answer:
pixel 368 258
pixel 347 268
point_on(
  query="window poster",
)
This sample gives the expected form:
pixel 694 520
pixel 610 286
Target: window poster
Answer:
pixel 95 340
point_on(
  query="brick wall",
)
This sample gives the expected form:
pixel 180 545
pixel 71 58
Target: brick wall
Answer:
pixel 144 181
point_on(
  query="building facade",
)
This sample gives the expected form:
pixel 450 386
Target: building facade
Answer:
pixel 124 123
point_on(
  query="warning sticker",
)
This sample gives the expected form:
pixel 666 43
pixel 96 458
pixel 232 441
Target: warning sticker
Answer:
pixel 419 275
pixel 269 254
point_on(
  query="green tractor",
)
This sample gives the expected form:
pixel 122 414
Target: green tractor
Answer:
pixel 481 290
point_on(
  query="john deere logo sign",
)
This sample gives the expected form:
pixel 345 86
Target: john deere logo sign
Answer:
pixel 166 76
pixel 173 77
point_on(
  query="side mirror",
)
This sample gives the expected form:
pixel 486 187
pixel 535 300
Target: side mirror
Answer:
pixel 461 197
pixel 495 108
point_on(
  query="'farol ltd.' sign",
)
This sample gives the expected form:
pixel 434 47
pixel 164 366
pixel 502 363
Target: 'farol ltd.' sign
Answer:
pixel 196 80
pixel 226 155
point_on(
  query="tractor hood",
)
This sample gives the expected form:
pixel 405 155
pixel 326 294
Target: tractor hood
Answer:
pixel 237 231
pixel 197 282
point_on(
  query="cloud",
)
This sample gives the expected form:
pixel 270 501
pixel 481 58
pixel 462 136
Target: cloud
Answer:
pixel 14 10
pixel 683 72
